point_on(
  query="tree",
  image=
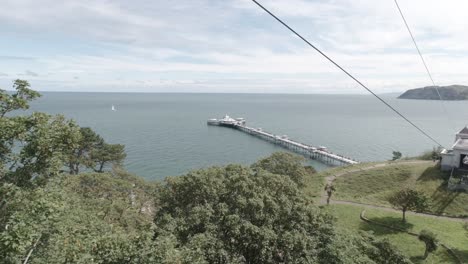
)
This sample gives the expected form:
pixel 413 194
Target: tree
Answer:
pixel 285 163
pixel 35 147
pixel 89 218
pixel 32 147
pixel 89 142
pixel 396 155
pixel 329 188
pixel 239 215
pixel 106 154
pixel 430 240
pixel 408 200
pixel 235 215
pixel 18 100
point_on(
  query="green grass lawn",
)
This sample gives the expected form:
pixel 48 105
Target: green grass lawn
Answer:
pixel 449 232
pixel 373 186
pixel 316 182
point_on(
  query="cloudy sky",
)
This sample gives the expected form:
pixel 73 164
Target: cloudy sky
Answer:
pixel 229 45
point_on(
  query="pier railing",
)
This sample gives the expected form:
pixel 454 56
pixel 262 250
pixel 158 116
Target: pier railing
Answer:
pixel 316 153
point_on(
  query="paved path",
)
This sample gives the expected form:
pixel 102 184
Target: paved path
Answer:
pixel 389 209
pixel 330 179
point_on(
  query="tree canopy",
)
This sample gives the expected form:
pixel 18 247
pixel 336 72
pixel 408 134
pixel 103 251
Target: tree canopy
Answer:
pixel 287 164
pixel 237 214
pixel 19 99
pixel 32 146
pixel 408 200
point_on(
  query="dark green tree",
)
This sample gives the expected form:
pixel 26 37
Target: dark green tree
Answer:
pixel 19 99
pixel 107 154
pixel 329 189
pixel 285 163
pixel 35 146
pixel 32 147
pixel 396 155
pixel 430 240
pixel 408 200
pixel 89 218
pixel 236 214
pixel 81 156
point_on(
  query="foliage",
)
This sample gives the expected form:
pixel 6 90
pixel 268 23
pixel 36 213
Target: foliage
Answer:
pixel 89 218
pixel 81 155
pixel 396 155
pixel 430 240
pixel 35 146
pixel 242 215
pixel 285 163
pixel 19 99
pixel 94 153
pixel 107 154
pixel 408 200
pixel 330 189
pixel 26 216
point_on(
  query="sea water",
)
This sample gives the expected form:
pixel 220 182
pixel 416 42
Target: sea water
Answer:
pixel 167 135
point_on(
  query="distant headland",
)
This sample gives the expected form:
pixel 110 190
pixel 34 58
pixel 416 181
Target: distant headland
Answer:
pixel 451 92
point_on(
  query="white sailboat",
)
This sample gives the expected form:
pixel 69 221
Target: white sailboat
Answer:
pixel 113 108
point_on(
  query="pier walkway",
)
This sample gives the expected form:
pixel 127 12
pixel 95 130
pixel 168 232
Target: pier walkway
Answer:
pixel 316 153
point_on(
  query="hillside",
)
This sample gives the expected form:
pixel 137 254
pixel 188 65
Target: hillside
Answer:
pixel 452 92
pixel 366 186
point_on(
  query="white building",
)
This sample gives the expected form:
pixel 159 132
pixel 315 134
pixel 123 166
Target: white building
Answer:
pixel 457 157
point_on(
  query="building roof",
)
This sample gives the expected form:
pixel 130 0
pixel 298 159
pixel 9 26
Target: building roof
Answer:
pixel 464 131
pixel 461 144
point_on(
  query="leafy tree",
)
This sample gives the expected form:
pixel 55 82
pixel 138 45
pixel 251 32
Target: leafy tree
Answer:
pixel 19 99
pixel 26 217
pixel 285 163
pixel 329 188
pixel 89 218
pixel 107 154
pixel 236 214
pixel 35 147
pixel 430 240
pixel 81 156
pixel 408 200
pixel 396 155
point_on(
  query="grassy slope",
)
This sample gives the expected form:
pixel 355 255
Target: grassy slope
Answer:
pixel 373 186
pixel 316 183
pixel 425 177
pixel 449 232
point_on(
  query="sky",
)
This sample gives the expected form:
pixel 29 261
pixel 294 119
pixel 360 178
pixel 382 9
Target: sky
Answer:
pixel 230 46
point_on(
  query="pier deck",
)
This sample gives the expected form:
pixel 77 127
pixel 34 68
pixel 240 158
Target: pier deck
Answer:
pixel 316 153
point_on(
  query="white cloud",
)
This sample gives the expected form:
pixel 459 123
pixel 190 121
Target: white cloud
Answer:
pixel 227 45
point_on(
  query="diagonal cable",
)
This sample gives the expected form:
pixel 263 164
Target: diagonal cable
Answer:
pixel 349 75
pixel 422 58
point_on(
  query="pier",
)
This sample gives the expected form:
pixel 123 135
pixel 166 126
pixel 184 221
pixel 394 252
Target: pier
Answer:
pixel 317 153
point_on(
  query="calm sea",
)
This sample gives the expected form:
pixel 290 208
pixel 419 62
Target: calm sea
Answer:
pixel 166 134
